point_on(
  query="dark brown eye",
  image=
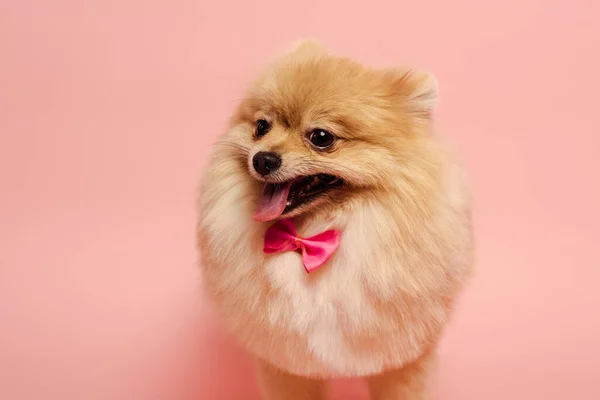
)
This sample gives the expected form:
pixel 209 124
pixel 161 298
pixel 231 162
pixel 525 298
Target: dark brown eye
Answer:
pixel 262 127
pixel 321 139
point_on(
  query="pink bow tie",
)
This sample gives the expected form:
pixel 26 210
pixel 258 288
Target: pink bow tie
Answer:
pixel 316 250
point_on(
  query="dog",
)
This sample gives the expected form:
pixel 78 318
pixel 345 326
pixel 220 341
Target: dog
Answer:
pixel 334 226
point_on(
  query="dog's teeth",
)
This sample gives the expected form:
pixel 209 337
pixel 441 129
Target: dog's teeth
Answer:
pixel 288 203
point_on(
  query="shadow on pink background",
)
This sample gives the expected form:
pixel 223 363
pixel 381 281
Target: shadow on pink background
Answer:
pixel 107 109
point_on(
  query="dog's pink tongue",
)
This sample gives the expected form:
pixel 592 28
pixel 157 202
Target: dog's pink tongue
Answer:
pixel 272 201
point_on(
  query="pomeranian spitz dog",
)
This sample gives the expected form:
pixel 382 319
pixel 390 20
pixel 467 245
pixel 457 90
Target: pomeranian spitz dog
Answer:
pixel 335 226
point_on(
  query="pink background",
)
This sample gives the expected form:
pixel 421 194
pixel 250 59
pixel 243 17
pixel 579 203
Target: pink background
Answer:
pixel 106 111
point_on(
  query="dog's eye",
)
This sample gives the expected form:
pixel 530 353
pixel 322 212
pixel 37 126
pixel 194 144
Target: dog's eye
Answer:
pixel 262 127
pixel 321 139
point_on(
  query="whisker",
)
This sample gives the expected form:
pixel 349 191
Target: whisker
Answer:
pixel 241 149
pixel 325 164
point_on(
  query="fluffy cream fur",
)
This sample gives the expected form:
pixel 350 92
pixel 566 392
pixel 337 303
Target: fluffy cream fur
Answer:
pixel 378 307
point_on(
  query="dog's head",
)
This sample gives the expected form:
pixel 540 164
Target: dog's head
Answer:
pixel 315 129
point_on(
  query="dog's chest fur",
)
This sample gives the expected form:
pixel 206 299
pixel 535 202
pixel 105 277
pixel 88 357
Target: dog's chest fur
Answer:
pixel 322 307
pixel 341 320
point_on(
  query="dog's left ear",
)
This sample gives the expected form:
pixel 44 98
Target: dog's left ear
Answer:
pixel 417 90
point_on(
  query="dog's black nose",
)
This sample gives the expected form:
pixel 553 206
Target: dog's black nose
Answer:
pixel 265 162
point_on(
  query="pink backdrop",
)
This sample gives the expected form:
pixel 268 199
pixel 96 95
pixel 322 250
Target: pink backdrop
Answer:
pixel 106 111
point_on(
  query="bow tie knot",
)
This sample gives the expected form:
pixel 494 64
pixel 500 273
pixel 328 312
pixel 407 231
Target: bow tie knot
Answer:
pixel 298 242
pixel 316 250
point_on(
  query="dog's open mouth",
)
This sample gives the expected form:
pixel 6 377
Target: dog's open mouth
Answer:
pixel 278 199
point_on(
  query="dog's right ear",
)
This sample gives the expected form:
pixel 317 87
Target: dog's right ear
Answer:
pixel 307 48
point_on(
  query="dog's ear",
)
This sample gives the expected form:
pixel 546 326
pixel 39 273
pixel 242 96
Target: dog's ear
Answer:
pixel 307 48
pixel 417 90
